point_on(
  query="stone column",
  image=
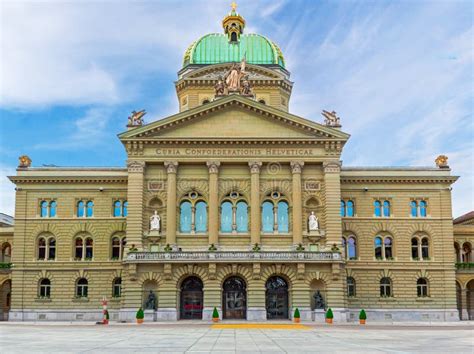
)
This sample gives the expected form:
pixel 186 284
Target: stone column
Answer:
pixel 255 202
pixel 213 201
pixel 332 199
pixel 171 169
pixel 296 168
pixel 135 190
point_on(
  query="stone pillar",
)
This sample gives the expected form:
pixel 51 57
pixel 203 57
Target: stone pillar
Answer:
pixel 296 168
pixel 332 198
pixel 136 181
pixel 255 202
pixel 171 207
pixel 213 201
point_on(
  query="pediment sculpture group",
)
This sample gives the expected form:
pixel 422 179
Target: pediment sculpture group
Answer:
pixel 236 80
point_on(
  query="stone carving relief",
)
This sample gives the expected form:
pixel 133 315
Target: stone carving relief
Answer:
pixel 234 80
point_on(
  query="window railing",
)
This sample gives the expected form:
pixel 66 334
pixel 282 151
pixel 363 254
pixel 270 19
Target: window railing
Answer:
pixel 465 265
pixel 234 256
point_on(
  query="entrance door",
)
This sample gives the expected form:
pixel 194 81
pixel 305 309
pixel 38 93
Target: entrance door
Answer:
pixel 191 299
pixel 276 298
pixel 234 299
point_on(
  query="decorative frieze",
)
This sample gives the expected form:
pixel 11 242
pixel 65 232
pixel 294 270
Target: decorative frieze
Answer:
pixel 136 166
pixel 332 166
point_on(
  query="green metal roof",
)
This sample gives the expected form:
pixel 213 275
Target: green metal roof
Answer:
pixel 215 48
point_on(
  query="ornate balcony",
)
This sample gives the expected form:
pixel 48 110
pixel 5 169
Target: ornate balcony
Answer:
pixel 233 256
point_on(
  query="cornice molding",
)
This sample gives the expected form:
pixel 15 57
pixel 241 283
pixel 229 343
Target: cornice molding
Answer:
pixel 399 179
pixel 67 179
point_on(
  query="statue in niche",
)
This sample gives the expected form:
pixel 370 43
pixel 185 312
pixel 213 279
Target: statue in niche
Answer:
pixel 220 86
pixel 150 303
pixel 318 301
pixel 313 223
pixel 155 222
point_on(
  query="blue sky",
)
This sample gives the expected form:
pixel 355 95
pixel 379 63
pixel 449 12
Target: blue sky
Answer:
pixel 399 74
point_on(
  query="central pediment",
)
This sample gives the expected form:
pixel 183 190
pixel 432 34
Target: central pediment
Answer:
pixel 234 117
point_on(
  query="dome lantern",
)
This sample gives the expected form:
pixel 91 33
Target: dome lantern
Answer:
pixel 233 24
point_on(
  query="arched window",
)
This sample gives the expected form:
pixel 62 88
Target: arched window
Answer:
pixel 51 248
pixel 44 209
pixel 206 101
pixel 233 37
pixel 343 208
pixel 425 248
pixel 117 287
pixel 283 222
pixel 350 208
pixel 125 209
pixel 267 217
pixel 422 287
pixel 82 286
pixel 52 209
pixel 185 217
pixel 386 208
pixel 386 287
pixel 388 243
pixel 415 255
pixel 377 208
pixel 226 217
pixel 83 248
pixel 118 247
pixel 378 247
pixel 89 248
pixel 457 251
pixel 5 256
pixel 242 217
pixel 423 206
pixel 350 246
pixel 41 248
pixel 80 209
pixel 117 208
pixel 466 253
pixel 351 287
pixel 79 248
pixel 44 288
pixel 414 208
pixel 201 216
pixel 90 209
pixel 262 101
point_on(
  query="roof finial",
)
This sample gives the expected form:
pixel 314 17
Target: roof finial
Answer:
pixel 233 6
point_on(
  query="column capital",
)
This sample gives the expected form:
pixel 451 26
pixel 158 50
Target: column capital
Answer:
pixel 136 166
pixel 213 166
pixel 255 166
pixel 296 166
pixel 332 166
pixel 171 166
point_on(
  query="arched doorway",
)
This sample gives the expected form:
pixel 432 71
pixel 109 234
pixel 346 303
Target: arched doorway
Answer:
pixel 234 298
pixel 191 303
pixel 470 299
pixel 276 298
pixel 5 299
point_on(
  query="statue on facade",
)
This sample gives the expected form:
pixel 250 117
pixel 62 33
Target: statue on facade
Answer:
pixel 155 222
pixel 318 301
pixel 234 75
pixel 313 224
pixel 220 86
pixel 246 89
pixel 150 303
pixel 442 161
pixel 25 161
pixel 331 119
pixel 136 118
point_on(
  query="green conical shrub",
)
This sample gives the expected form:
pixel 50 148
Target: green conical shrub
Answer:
pixel 140 315
pixel 362 315
pixel 215 313
pixel 297 313
pixel 329 314
pixel 107 316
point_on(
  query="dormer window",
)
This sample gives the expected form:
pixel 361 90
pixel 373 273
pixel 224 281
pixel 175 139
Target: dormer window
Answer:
pixel 233 37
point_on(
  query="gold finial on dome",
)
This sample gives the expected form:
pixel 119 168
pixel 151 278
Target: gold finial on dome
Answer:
pixel 233 24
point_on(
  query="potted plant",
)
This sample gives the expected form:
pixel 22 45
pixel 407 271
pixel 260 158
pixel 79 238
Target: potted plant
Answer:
pixel 168 248
pixel 329 316
pixel 215 315
pixel 362 317
pixel 256 248
pixel 296 316
pixel 140 315
pixel 106 317
pixel 212 248
pixel 300 247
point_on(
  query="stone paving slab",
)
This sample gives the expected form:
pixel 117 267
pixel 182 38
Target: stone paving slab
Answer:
pixel 208 338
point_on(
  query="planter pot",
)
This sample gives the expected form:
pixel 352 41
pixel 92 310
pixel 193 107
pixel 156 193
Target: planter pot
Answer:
pixel 362 322
pixel 329 320
pixel 139 320
pixel 215 319
pixel 105 322
pixel 297 320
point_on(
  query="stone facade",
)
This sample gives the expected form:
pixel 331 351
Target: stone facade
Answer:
pixel 234 180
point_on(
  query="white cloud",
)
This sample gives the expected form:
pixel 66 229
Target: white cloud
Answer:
pixel 7 191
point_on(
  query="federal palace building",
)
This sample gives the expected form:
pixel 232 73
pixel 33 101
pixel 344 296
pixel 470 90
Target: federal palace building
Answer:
pixel 237 204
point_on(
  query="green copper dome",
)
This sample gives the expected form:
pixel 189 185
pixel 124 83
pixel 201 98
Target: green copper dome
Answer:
pixel 216 48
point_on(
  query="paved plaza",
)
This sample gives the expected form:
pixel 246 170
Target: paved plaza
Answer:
pixel 234 338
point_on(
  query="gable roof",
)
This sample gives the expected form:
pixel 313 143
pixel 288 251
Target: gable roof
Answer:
pixel 320 132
